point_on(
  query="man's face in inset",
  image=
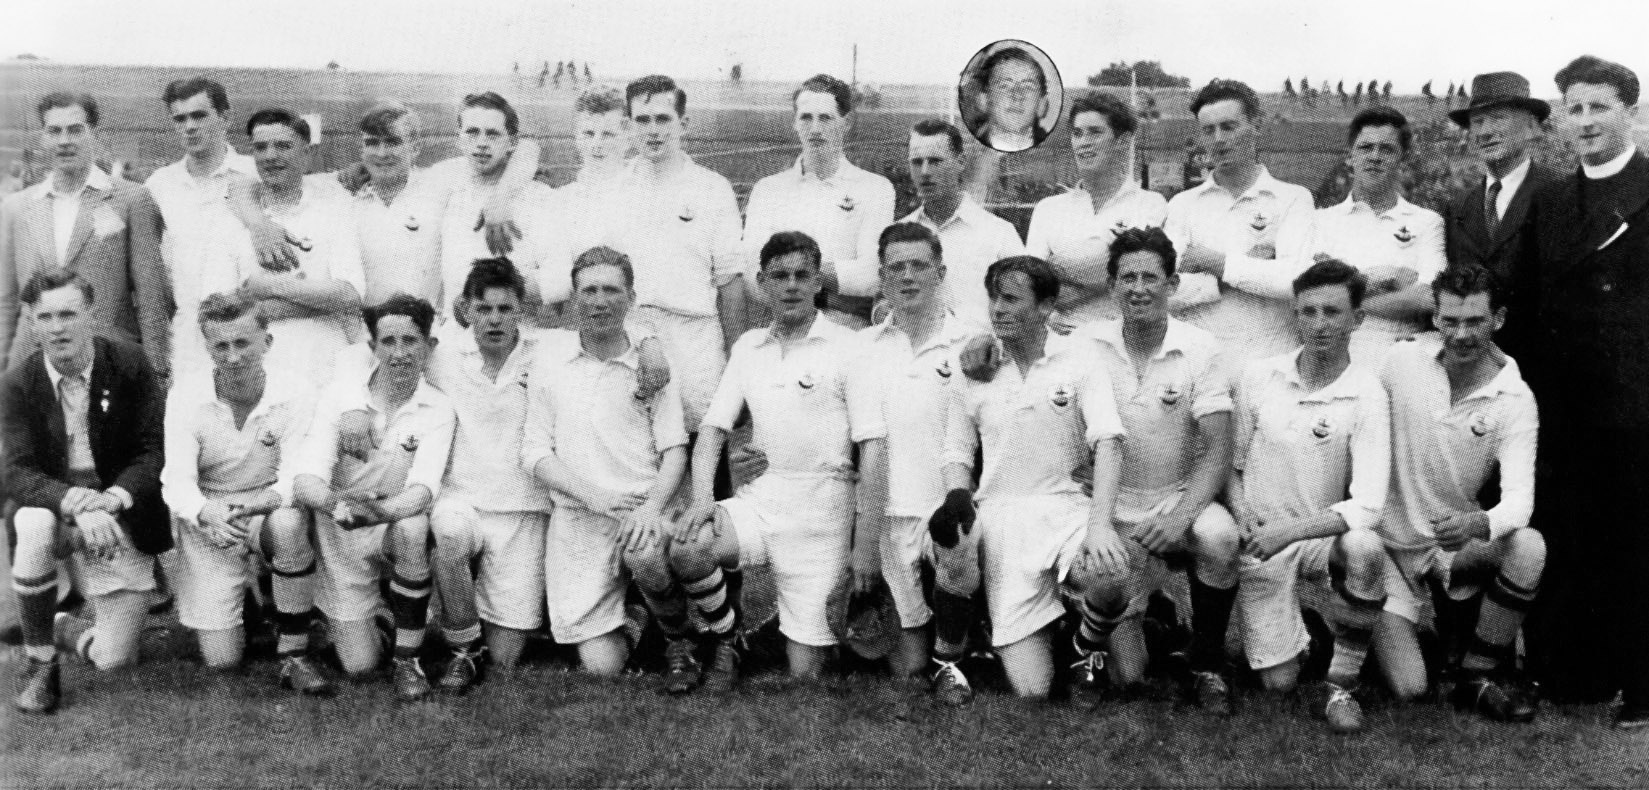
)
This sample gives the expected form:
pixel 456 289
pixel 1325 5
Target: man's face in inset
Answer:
pixel 1014 95
pixel 200 126
pixel 485 140
pixel 655 128
pixel 68 138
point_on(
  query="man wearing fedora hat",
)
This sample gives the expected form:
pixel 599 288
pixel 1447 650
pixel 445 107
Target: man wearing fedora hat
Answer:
pixel 1490 224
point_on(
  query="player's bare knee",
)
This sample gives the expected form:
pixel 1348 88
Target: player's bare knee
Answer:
pixel 36 530
pixel 1214 535
pixel 1525 554
pixel 1362 553
pixel 649 566
pixel 694 560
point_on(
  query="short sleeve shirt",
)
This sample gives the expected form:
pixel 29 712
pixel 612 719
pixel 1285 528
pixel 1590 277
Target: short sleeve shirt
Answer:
pixel 485 470
pixel 1403 237
pixel 208 456
pixel 844 213
pixel 972 239
pixel 401 240
pixel 682 235
pixel 1067 232
pixel 409 448
pixel 808 403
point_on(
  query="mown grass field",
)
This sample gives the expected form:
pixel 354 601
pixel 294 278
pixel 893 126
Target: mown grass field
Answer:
pixel 169 723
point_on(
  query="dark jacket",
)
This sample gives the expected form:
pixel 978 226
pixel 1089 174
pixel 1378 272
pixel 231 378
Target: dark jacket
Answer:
pixel 1588 293
pixel 1466 240
pixel 126 408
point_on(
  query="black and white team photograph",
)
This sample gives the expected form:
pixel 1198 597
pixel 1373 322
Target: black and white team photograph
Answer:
pixel 874 393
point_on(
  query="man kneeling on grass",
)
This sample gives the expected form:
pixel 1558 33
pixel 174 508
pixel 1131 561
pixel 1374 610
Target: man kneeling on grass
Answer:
pixel 372 515
pixel 612 452
pixel 810 408
pixel 1040 416
pixel 226 436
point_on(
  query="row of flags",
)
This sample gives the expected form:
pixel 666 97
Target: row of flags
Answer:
pixel 1373 89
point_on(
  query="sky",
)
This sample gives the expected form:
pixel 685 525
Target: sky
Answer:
pixel 899 41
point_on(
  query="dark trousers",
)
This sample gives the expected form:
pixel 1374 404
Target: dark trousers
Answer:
pixel 1591 627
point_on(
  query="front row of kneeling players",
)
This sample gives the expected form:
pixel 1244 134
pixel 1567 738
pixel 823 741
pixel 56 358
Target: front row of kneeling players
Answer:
pixel 1104 454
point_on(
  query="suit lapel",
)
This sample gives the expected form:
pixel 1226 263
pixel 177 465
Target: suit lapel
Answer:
pixel 1470 217
pixel 1515 212
pixel 90 201
pixel 1585 233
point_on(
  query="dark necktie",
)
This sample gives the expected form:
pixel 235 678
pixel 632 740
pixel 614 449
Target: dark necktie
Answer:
pixel 1491 208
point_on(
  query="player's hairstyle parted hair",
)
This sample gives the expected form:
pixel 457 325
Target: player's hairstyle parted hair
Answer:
pixel 1332 271
pixel 1116 112
pixel 1044 282
pixel 1593 70
pixel 488 100
pixel 653 85
pixel 489 273
pixel 788 241
pixel 934 127
pixel 1382 116
pixel 605 256
pixel 51 279
pixel 420 311
pixel 1219 90
pixel 379 120
pixel 229 306
pixel 599 100
pixel 824 83
pixel 908 231
pixel 277 116
pixel 60 99
pixel 180 90
pixel 1004 55
pixel 1466 279
pixel 1150 239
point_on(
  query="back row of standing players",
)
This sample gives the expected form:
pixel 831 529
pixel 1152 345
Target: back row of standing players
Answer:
pixel 377 467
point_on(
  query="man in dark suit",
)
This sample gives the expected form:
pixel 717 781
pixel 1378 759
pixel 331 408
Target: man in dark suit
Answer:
pixel 1589 338
pixel 81 219
pixel 1489 223
pixel 82 460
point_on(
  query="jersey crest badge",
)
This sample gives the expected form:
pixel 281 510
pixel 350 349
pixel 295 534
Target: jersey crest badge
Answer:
pixel 1479 424
pixel 268 438
pixel 943 370
pixel 1261 222
pixel 412 223
pixel 1061 395
pixel 847 203
pixel 410 443
pixel 1322 428
pixel 1170 394
pixel 807 381
pixel 1403 236
pixel 686 214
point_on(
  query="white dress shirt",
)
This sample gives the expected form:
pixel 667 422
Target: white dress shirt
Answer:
pixel 682 235
pixel 1248 309
pixel 809 401
pixel 1304 452
pixel 208 456
pixel 583 410
pixel 66 207
pixel 1067 232
pixel 1508 187
pixel 972 239
pixel 844 213
pixel 1035 428
pixel 1443 452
